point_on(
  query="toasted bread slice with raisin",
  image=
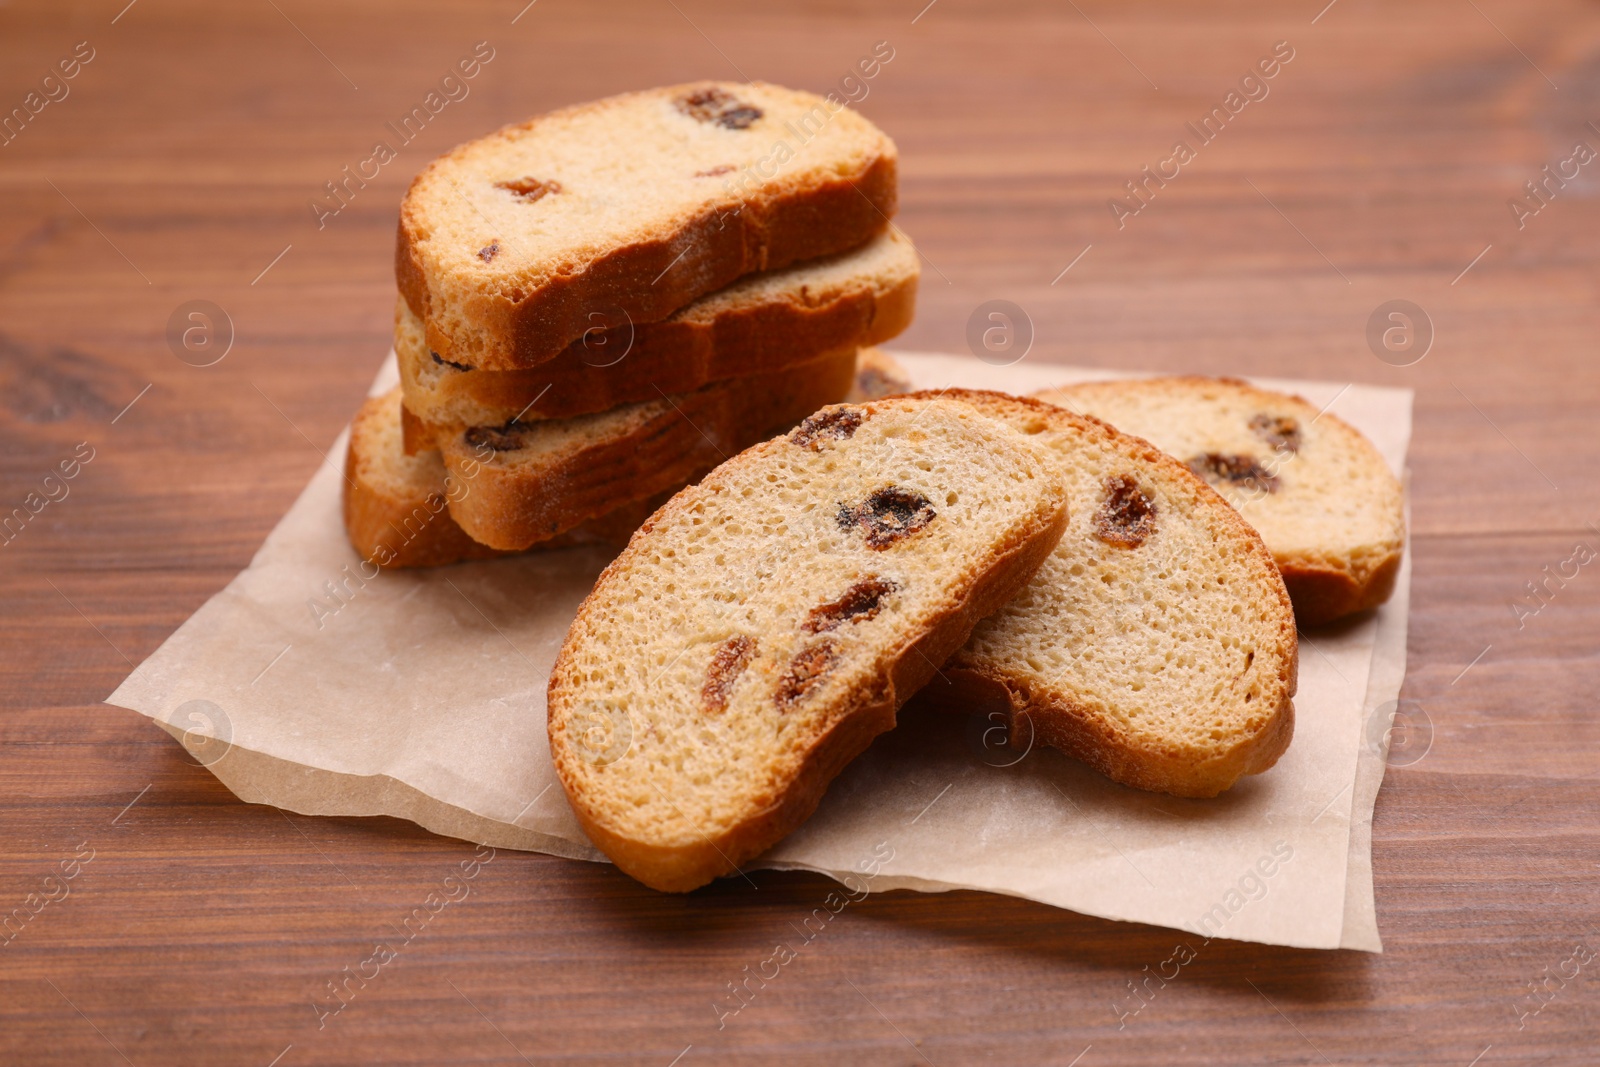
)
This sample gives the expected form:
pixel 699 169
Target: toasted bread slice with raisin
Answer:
pixel 765 625
pixel 396 507
pixel 762 322
pixel 532 481
pixel 631 206
pixel 1323 499
pixel 1157 643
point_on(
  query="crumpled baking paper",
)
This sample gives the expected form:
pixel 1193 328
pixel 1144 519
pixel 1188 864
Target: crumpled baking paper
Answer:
pixel 315 684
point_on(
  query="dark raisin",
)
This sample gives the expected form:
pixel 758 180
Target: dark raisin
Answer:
pixel 437 358
pixel 530 189
pixel 720 169
pixel 1126 517
pixel 727 664
pixel 702 105
pixel 891 514
pixel 838 423
pixel 489 251
pixel 805 672
pixel 507 438
pixel 739 118
pixel 860 602
pixel 1282 432
pixel 1241 471
pixel 713 105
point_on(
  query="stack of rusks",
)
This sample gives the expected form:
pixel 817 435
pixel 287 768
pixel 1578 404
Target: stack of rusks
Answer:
pixel 599 306
pixel 635 321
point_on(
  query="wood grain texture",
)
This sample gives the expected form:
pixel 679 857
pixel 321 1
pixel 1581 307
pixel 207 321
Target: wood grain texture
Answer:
pixel 1380 164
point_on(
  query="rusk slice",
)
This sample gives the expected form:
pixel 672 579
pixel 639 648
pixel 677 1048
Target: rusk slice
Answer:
pixel 766 624
pixel 763 322
pixel 636 205
pixel 396 511
pixel 1156 644
pixel 1321 495
pixel 532 481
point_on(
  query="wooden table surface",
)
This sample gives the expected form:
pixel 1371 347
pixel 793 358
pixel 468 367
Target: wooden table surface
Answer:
pixel 180 163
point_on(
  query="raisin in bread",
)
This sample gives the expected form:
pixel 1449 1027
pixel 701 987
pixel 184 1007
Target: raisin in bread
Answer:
pixel 766 624
pixel 396 507
pixel 1157 643
pixel 761 322
pixel 1320 494
pixel 532 481
pixel 637 204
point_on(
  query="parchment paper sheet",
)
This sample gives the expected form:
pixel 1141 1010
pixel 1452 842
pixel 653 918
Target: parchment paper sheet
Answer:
pixel 420 694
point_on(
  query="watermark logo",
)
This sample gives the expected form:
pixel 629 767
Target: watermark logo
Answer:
pixel 1544 189
pixel 1399 332
pixel 54 887
pixel 52 490
pixel 742 183
pixel 600 733
pixel 999 332
pixel 343 988
pixel 207 730
pixel 1253 87
pixel 1552 579
pixel 609 338
pixel 743 992
pixel 200 333
pixel 1540 992
pixel 453 87
pixel 990 736
pixel 1403 729
pixel 53 89
pixel 1253 884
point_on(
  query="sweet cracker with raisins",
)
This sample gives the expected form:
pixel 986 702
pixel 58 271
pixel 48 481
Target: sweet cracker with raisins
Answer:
pixel 1157 643
pixel 397 506
pixel 1323 499
pixel 762 322
pixel 631 207
pixel 525 482
pixel 765 625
